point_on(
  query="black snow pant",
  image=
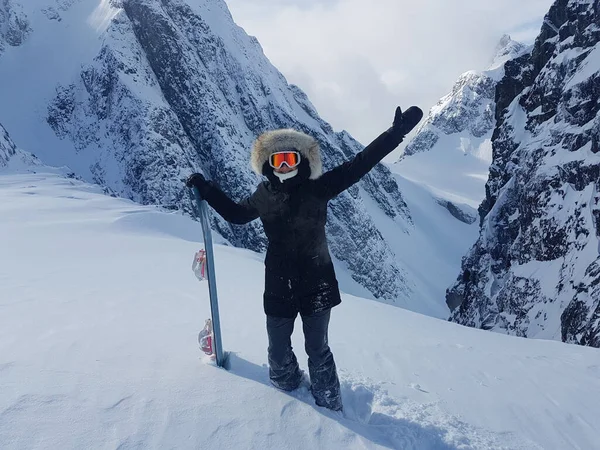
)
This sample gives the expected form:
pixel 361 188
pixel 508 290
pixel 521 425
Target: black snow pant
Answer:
pixel 284 371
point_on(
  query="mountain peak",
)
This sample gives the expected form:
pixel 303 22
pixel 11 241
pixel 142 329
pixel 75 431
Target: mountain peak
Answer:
pixel 506 49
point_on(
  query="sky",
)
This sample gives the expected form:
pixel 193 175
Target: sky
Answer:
pixel 358 59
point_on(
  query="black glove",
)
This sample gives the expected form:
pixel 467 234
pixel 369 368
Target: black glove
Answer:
pixel 198 181
pixel 405 122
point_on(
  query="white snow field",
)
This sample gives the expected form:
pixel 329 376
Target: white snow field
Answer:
pixel 449 170
pixel 99 315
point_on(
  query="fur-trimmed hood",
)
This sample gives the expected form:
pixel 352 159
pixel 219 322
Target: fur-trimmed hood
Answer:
pixel 286 139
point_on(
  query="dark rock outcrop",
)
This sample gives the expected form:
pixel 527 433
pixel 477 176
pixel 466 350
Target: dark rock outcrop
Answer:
pixel 534 270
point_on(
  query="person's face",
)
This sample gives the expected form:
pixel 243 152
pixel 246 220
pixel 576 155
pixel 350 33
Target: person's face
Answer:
pixel 284 169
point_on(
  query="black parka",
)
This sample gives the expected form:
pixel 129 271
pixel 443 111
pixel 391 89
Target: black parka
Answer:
pixel 299 273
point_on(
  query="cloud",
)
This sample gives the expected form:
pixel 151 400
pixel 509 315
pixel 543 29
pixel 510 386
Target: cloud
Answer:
pixel 358 59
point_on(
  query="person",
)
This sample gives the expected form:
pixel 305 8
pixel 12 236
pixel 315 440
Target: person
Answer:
pixel 299 274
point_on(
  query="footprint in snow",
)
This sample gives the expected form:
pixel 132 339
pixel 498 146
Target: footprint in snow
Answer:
pixel 404 424
pixel 396 423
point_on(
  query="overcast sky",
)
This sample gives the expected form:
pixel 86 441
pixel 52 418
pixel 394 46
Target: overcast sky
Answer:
pixel 358 59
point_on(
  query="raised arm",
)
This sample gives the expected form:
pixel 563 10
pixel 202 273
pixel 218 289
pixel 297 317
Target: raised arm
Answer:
pixel 340 178
pixel 238 213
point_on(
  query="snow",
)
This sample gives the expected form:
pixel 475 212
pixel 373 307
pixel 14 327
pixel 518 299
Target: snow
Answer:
pixel 103 14
pixel 506 50
pixel 589 67
pixel 452 151
pixel 432 251
pixel 99 317
pixel 452 169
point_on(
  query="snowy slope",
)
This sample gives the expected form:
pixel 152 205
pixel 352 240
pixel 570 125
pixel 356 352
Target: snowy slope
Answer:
pixel 136 95
pixel 98 324
pixel 433 249
pixel 535 269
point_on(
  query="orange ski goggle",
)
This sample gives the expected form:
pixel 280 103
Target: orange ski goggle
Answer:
pixel 291 158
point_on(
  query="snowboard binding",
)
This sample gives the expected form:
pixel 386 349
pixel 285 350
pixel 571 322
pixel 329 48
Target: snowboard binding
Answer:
pixel 205 338
pixel 199 265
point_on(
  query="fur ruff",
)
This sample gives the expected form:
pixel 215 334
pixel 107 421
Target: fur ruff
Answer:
pixel 286 139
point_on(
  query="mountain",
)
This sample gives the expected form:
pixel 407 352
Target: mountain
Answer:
pixel 442 178
pixel 14 26
pixel 535 269
pixel 7 147
pixel 13 159
pixel 451 150
pixel 468 110
pixel 104 350
pixel 137 94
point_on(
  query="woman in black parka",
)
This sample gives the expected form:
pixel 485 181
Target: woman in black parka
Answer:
pixel 299 274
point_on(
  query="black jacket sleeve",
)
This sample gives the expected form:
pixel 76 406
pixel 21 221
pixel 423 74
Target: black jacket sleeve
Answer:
pixel 239 213
pixel 340 178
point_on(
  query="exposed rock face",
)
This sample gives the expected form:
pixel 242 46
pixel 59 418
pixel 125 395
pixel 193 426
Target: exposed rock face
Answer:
pixel 459 213
pixel 14 25
pixel 7 147
pixel 535 269
pixel 13 158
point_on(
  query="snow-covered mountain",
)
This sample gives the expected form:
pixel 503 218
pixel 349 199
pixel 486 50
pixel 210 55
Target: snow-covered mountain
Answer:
pixel 7 147
pixel 14 26
pixel 137 94
pixel 99 316
pixel 443 175
pixel 535 269
pixel 451 150
pixel 467 111
pixel 14 159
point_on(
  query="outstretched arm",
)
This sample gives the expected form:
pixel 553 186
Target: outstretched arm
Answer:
pixel 238 213
pixel 340 178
